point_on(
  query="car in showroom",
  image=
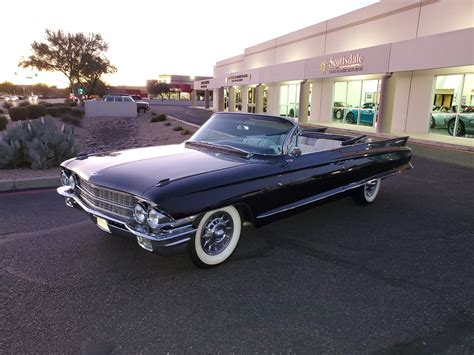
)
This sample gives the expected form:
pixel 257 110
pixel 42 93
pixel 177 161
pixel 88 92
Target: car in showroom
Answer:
pixel 338 110
pixel 363 116
pixel 236 168
pixel 445 118
pixel 142 106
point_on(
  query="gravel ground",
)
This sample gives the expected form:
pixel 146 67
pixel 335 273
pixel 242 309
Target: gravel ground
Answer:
pixel 100 134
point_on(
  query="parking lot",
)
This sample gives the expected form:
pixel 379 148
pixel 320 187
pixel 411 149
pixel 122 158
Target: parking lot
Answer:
pixel 393 277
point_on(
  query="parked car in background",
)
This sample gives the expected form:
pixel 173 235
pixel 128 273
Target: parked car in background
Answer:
pixel 137 97
pixel 366 113
pixel 142 106
pixel 338 110
pixel 236 168
pixel 12 98
pixel 442 117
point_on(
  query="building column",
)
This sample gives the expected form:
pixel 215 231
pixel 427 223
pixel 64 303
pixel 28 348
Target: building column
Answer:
pixel 220 99
pixel 206 98
pixel 387 96
pixel 245 98
pixel 231 107
pixel 193 98
pixel 273 103
pixel 259 99
pixel 304 101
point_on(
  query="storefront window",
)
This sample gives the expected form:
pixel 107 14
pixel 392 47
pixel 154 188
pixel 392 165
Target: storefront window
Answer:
pixel 238 99
pixel 289 100
pixel 265 96
pixel 226 99
pixel 453 106
pixel 356 102
pixel 252 100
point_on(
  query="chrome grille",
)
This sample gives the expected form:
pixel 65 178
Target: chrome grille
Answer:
pixel 114 203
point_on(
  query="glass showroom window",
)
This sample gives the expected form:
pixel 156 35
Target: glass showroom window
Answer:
pixel 238 99
pixel 289 100
pixel 265 98
pixel 252 100
pixel 226 99
pixel 453 106
pixel 356 102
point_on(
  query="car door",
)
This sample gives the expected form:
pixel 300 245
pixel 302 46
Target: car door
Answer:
pixel 314 174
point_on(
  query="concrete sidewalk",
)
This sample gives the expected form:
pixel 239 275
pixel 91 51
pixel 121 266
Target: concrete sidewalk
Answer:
pixel 30 183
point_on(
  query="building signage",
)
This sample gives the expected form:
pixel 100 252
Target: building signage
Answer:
pixel 343 64
pixel 238 78
pixel 204 84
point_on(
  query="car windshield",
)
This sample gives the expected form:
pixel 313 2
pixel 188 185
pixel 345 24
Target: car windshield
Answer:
pixel 254 134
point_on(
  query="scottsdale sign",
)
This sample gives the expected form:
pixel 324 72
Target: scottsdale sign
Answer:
pixel 342 64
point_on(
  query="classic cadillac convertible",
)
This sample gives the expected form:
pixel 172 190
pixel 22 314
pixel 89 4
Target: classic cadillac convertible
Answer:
pixel 236 168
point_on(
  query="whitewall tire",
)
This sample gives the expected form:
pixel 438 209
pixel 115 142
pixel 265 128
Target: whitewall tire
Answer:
pixel 367 193
pixel 216 237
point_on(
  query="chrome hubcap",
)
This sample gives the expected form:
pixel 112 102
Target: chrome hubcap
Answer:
pixel 217 233
pixel 370 188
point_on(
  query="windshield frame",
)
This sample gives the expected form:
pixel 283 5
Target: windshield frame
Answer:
pixel 284 150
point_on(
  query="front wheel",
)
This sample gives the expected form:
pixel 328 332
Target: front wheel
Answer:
pixel 460 130
pixel 216 237
pixel 142 110
pixel 350 118
pixel 367 193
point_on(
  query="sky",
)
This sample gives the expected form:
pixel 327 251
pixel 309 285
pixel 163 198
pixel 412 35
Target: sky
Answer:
pixel 149 38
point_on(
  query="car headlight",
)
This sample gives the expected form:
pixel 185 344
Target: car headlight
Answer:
pixel 139 213
pixel 64 177
pixel 156 218
pixel 72 182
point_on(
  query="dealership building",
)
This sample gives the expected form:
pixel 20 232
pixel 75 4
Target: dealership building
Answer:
pixel 402 67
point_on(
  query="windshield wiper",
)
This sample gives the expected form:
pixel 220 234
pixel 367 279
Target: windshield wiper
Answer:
pixel 219 146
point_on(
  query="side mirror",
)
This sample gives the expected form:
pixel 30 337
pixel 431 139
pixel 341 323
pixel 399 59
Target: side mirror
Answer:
pixel 295 152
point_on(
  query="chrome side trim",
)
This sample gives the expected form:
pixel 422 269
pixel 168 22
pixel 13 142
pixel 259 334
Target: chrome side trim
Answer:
pixel 324 195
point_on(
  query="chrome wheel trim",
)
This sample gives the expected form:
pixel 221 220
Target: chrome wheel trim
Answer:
pixel 217 233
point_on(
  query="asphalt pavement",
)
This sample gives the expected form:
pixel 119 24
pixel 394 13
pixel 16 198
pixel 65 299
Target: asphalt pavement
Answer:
pixel 192 115
pixel 394 277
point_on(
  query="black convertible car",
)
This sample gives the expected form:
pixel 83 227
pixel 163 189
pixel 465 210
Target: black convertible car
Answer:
pixel 236 168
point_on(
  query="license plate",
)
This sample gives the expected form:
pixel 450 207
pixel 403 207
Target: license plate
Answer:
pixel 102 224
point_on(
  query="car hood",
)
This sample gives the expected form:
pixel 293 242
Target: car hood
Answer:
pixel 136 170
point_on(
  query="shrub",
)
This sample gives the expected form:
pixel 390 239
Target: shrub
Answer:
pixel 36 111
pixel 18 113
pixel 158 118
pixel 7 105
pixel 167 124
pixel 24 104
pixel 177 128
pixel 77 112
pixel 185 132
pixel 1 111
pixel 3 122
pixel 52 111
pixel 69 119
pixel 70 103
pixel 38 144
pixel 64 111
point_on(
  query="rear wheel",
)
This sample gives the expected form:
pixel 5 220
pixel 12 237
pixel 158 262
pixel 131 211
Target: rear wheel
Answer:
pixel 216 237
pixel 339 114
pixel 350 118
pixel 367 193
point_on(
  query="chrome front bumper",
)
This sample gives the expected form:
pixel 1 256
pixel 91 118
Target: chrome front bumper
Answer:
pixel 163 239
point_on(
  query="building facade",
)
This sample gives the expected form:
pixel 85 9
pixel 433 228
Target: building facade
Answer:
pixel 397 67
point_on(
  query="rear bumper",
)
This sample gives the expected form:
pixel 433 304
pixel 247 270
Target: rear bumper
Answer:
pixel 169 238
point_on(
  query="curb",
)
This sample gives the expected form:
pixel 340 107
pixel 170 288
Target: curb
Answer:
pixel 33 183
pixel 184 122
